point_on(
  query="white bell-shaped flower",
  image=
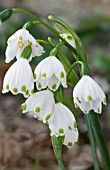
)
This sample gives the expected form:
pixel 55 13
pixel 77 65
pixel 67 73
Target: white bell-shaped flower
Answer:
pixel 50 73
pixel 19 78
pixel 88 95
pixel 69 38
pixel 18 41
pixel 71 137
pixel 42 104
pixel 64 124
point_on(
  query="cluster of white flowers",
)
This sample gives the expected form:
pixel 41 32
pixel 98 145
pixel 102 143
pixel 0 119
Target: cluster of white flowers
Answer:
pixel 50 74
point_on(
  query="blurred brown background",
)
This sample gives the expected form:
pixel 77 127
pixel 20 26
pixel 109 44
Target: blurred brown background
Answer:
pixel 25 143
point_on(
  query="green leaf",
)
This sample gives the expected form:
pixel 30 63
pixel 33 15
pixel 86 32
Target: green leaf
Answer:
pixel 100 140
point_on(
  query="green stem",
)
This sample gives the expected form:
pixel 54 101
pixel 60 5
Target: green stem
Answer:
pixel 100 140
pixel 57 147
pixel 73 65
pixel 91 135
pixel 60 162
pixel 33 15
pixel 43 42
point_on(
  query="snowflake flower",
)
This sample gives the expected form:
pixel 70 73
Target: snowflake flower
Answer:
pixel 19 78
pixel 69 38
pixel 18 41
pixel 42 104
pixel 50 73
pixel 88 95
pixel 64 124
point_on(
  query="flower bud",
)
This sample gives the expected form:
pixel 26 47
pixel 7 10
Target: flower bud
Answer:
pixel 5 15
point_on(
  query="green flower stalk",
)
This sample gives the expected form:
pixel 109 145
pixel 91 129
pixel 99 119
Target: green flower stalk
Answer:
pixel 57 147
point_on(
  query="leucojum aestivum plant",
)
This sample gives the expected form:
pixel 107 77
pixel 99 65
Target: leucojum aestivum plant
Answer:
pixel 51 76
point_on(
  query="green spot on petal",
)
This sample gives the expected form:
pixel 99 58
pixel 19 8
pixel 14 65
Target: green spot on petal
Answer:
pixel 69 143
pixel 75 124
pixel 27 93
pixel 15 90
pixel 54 86
pixel 23 106
pixel 89 98
pixel 23 88
pixel 7 87
pixel 32 91
pixel 61 131
pixel 47 117
pixel 62 75
pixel 37 109
pixel 50 131
pixel 98 110
pixel 39 85
pixel 35 76
pixel 105 101
pixel 44 75
pixel 70 37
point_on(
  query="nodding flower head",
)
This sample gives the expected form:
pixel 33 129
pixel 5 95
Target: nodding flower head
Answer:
pixel 18 41
pixel 64 124
pixel 42 104
pixel 50 73
pixel 19 78
pixel 88 95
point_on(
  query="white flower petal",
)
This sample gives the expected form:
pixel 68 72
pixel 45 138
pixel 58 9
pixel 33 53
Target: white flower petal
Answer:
pixel 85 106
pixel 42 103
pixel 53 83
pixel 45 67
pixel 41 83
pixel 99 91
pixel 10 52
pixel 62 121
pixel 71 137
pixel 37 50
pixel 97 106
pixel 59 70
